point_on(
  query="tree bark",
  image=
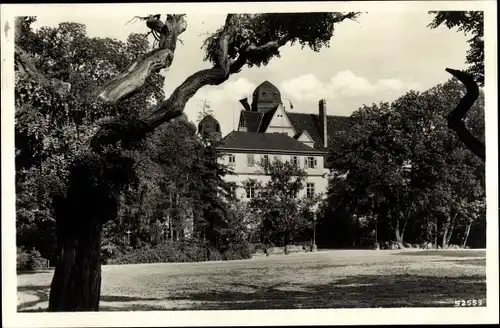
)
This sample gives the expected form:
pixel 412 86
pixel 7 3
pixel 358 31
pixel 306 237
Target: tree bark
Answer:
pixel 466 236
pixel 399 233
pixel 76 285
pixel 399 238
pixel 448 231
pixel 436 235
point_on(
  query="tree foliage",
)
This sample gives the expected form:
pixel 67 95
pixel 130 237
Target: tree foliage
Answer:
pixel 471 23
pixel 399 167
pixel 52 127
pixel 282 212
pixel 263 34
pixel 84 105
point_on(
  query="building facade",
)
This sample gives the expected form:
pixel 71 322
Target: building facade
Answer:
pixel 267 131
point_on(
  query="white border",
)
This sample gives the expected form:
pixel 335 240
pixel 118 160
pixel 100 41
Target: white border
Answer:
pixel 11 318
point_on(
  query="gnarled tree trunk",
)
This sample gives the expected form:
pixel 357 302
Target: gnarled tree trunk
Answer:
pixel 80 214
pixel 76 285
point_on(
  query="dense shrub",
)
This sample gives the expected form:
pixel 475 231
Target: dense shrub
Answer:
pixel 109 251
pixel 181 252
pixel 238 252
pixel 30 260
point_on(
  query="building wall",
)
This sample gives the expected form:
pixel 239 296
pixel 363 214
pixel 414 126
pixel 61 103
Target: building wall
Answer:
pixel 243 172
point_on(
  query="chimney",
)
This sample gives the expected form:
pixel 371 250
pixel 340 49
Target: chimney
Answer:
pixel 323 122
pixel 245 104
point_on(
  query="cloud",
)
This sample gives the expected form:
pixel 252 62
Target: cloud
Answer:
pixel 230 91
pixel 344 84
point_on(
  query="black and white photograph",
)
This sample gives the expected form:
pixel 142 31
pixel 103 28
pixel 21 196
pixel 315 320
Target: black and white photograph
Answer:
pixel 170 161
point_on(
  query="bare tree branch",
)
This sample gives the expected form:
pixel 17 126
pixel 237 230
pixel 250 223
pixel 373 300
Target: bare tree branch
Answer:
pixel 456 117
pixel 128 82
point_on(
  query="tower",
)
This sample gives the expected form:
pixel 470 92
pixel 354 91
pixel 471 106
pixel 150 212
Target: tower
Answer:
pixel 209 126
pixel 265 97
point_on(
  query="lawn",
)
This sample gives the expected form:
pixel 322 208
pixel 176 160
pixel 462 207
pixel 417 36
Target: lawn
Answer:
pixel 326 279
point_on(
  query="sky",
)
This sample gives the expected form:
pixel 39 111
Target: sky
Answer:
pixel 378 58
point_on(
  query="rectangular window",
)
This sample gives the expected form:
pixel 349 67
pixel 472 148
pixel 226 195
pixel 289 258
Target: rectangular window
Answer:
pixel 232 189
pixel 312 162
pixel 250 160
pixel 232 159
pixel 242 123
pixel 295 160
pixel 265 158
pixel 250 191
pixel 310 190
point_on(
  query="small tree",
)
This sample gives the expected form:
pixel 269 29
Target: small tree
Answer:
pixel 206 110
pixel 282 213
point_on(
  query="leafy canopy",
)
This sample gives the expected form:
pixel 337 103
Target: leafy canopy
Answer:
pixel 471 23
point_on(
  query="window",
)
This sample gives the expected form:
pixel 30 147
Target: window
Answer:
pixel 232 159
pixel 242 123
pixel 232 189
pixel 265 158
pixel 250 190
pixel 295 160
pixel 264 94
pixel 311 162
pixel 310 190
pixel 250 160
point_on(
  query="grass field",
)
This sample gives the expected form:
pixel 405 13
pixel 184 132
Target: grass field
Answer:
pixel 326 279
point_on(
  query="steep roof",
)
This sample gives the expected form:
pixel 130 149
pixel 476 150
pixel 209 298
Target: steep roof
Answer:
pixel 265 85
pixel 310 123
pixel 266 119
pixel 264 141
pixel 209 123
pixel 252 120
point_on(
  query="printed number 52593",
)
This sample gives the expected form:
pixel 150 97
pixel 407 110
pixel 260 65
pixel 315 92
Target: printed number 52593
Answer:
pixel 462 303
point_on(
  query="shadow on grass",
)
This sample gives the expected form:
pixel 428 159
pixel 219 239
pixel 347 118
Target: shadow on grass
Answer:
pixel 368 291
pixel 363 291
pixel 40 292
pixel 42 295
pixel 445 253
pixel 27 272
pixel 473 262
